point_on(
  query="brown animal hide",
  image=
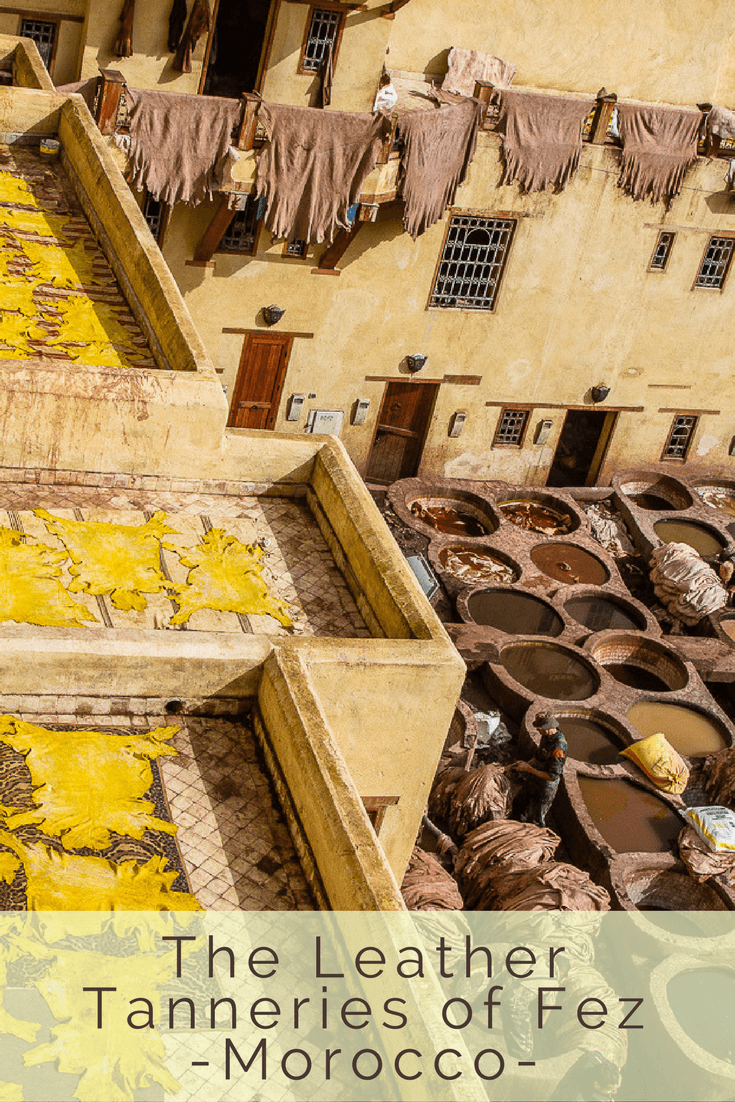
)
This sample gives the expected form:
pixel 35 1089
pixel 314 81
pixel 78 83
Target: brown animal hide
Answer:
pixel 552 886
pixel 466 67
pixel 480 795
pixel 427 886
pixel 312 167
pixel 179 143
pixel 659 145
pixel 503 846
pixel 438 147
pixel 442 791
pixel 326 72
pixel 719 777
pixel 701 861
pixel 200 22
pixel 542 137
pixel 176 24
pixel 124 42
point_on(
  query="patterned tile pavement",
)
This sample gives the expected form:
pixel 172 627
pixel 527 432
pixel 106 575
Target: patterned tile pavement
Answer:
pixel 299 567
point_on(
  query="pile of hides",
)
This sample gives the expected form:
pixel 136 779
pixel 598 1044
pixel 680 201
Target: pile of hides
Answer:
pixel 200 22
pixel 427 886
pixel 438 147
pixel 659 145
pixel 551 886
pixel 501 847
pixel 542 137
pixel 124 42
pixel 312 167
pixel 466 67
pixel 179 144
pixel 609 530
pixel 701 861
pixel 466 800
pixel 719 773
pixel 684 583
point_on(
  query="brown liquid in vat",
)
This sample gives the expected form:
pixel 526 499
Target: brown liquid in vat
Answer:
pixel 601 613
pixel 449 521
pixel 690 732
pixel 590 741
pixel 718 499
pixel 652 501
pixel 628 818
pixel 538 518
pixel 570 564
pixel 683 531
pixel 517 613
pixel 475 566
pixel 627 673
pixel 549 671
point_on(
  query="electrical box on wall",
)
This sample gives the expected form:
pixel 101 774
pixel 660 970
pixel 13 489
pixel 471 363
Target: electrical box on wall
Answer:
pixel 360 411
pixel 457 423
pixel 295 406
pixel 543 430
pixel 325 420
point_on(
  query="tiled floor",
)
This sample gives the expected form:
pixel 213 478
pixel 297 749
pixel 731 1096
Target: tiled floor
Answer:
pixel 58 297
pixel 298 566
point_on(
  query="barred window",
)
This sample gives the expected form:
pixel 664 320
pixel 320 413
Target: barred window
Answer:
pixel 472 263
pixel 242 234
pixel 43 34
pixel 295 247
pixel 511 428
pixel 153 214
pixel 662 252
pixel 680 437
pixel 323 32
pixel 715 262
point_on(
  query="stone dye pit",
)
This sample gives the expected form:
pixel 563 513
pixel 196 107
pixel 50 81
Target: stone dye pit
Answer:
pixel 473 565
pixel 536 516
pixel 702 539
pixel 549 671
pixel 600 613
pixel 630 819
pixel 689 731
pixel 529 615
pixel 589 740
pixel 718 497
pixel 567 563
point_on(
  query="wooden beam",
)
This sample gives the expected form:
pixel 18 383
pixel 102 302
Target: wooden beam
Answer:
pixel 387 146
pixel 389 11
pixel 337 249
pixel 111 89
pixel 335 5
pixel 216 230
pixel 249 123
pixel 601 118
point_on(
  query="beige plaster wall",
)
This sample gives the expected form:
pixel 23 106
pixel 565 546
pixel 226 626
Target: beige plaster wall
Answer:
pixel 665 50
pixel 150 65
pixel 577 306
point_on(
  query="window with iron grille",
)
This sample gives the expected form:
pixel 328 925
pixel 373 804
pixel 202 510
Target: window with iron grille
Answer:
pixel 323 32
pixel 153 214
pixel 296 247
pixel 511 428
pixel 472 263
pixel 662 252
pixel 680 437
pixel 43 34
pixel 715 262
pixel 242 235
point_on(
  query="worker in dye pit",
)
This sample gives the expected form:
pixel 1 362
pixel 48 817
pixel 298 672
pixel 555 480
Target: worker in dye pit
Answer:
pixel 545 770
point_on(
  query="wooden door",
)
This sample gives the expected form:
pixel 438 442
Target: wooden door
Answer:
pixel 259 381
pixel 402 425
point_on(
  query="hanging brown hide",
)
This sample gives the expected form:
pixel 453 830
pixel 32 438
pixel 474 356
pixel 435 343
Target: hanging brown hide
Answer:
pixel 176 24
pixel 200 22
pixel 124 42
pixel 542 137
pixel 659 145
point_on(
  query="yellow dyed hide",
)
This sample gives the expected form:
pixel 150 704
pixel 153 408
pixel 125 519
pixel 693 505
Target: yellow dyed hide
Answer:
pixel 119 560
pixel 20 222
pixel 14 189
pixel 30 592
pixel 87 783
pixel 225 575
pixel 68 267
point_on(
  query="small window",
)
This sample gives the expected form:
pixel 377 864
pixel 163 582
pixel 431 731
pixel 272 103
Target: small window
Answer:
pixel 715 262
pixel 472 262
pixel 511 428
pixel 242 235
pixel 295 248
pixel 662 252
pixel 323 32
pixel 156 215
pixel 680 437
pixel 43 34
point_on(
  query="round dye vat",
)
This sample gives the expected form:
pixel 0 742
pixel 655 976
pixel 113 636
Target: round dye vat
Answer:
pixel 590 741
pixel 718 497
pixel 517 613
pixel 549 671
pixel 603 613
pixel 653 502
pixel 683 531
pixel 473 566
pixel 450 521
pixel 690 732
pixel 535 517
pixel 702 1001
pixel 628 818
pixel 567 563
pixel 636 677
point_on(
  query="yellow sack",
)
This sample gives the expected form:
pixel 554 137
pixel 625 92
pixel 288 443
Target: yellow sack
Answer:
pixel 660 762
